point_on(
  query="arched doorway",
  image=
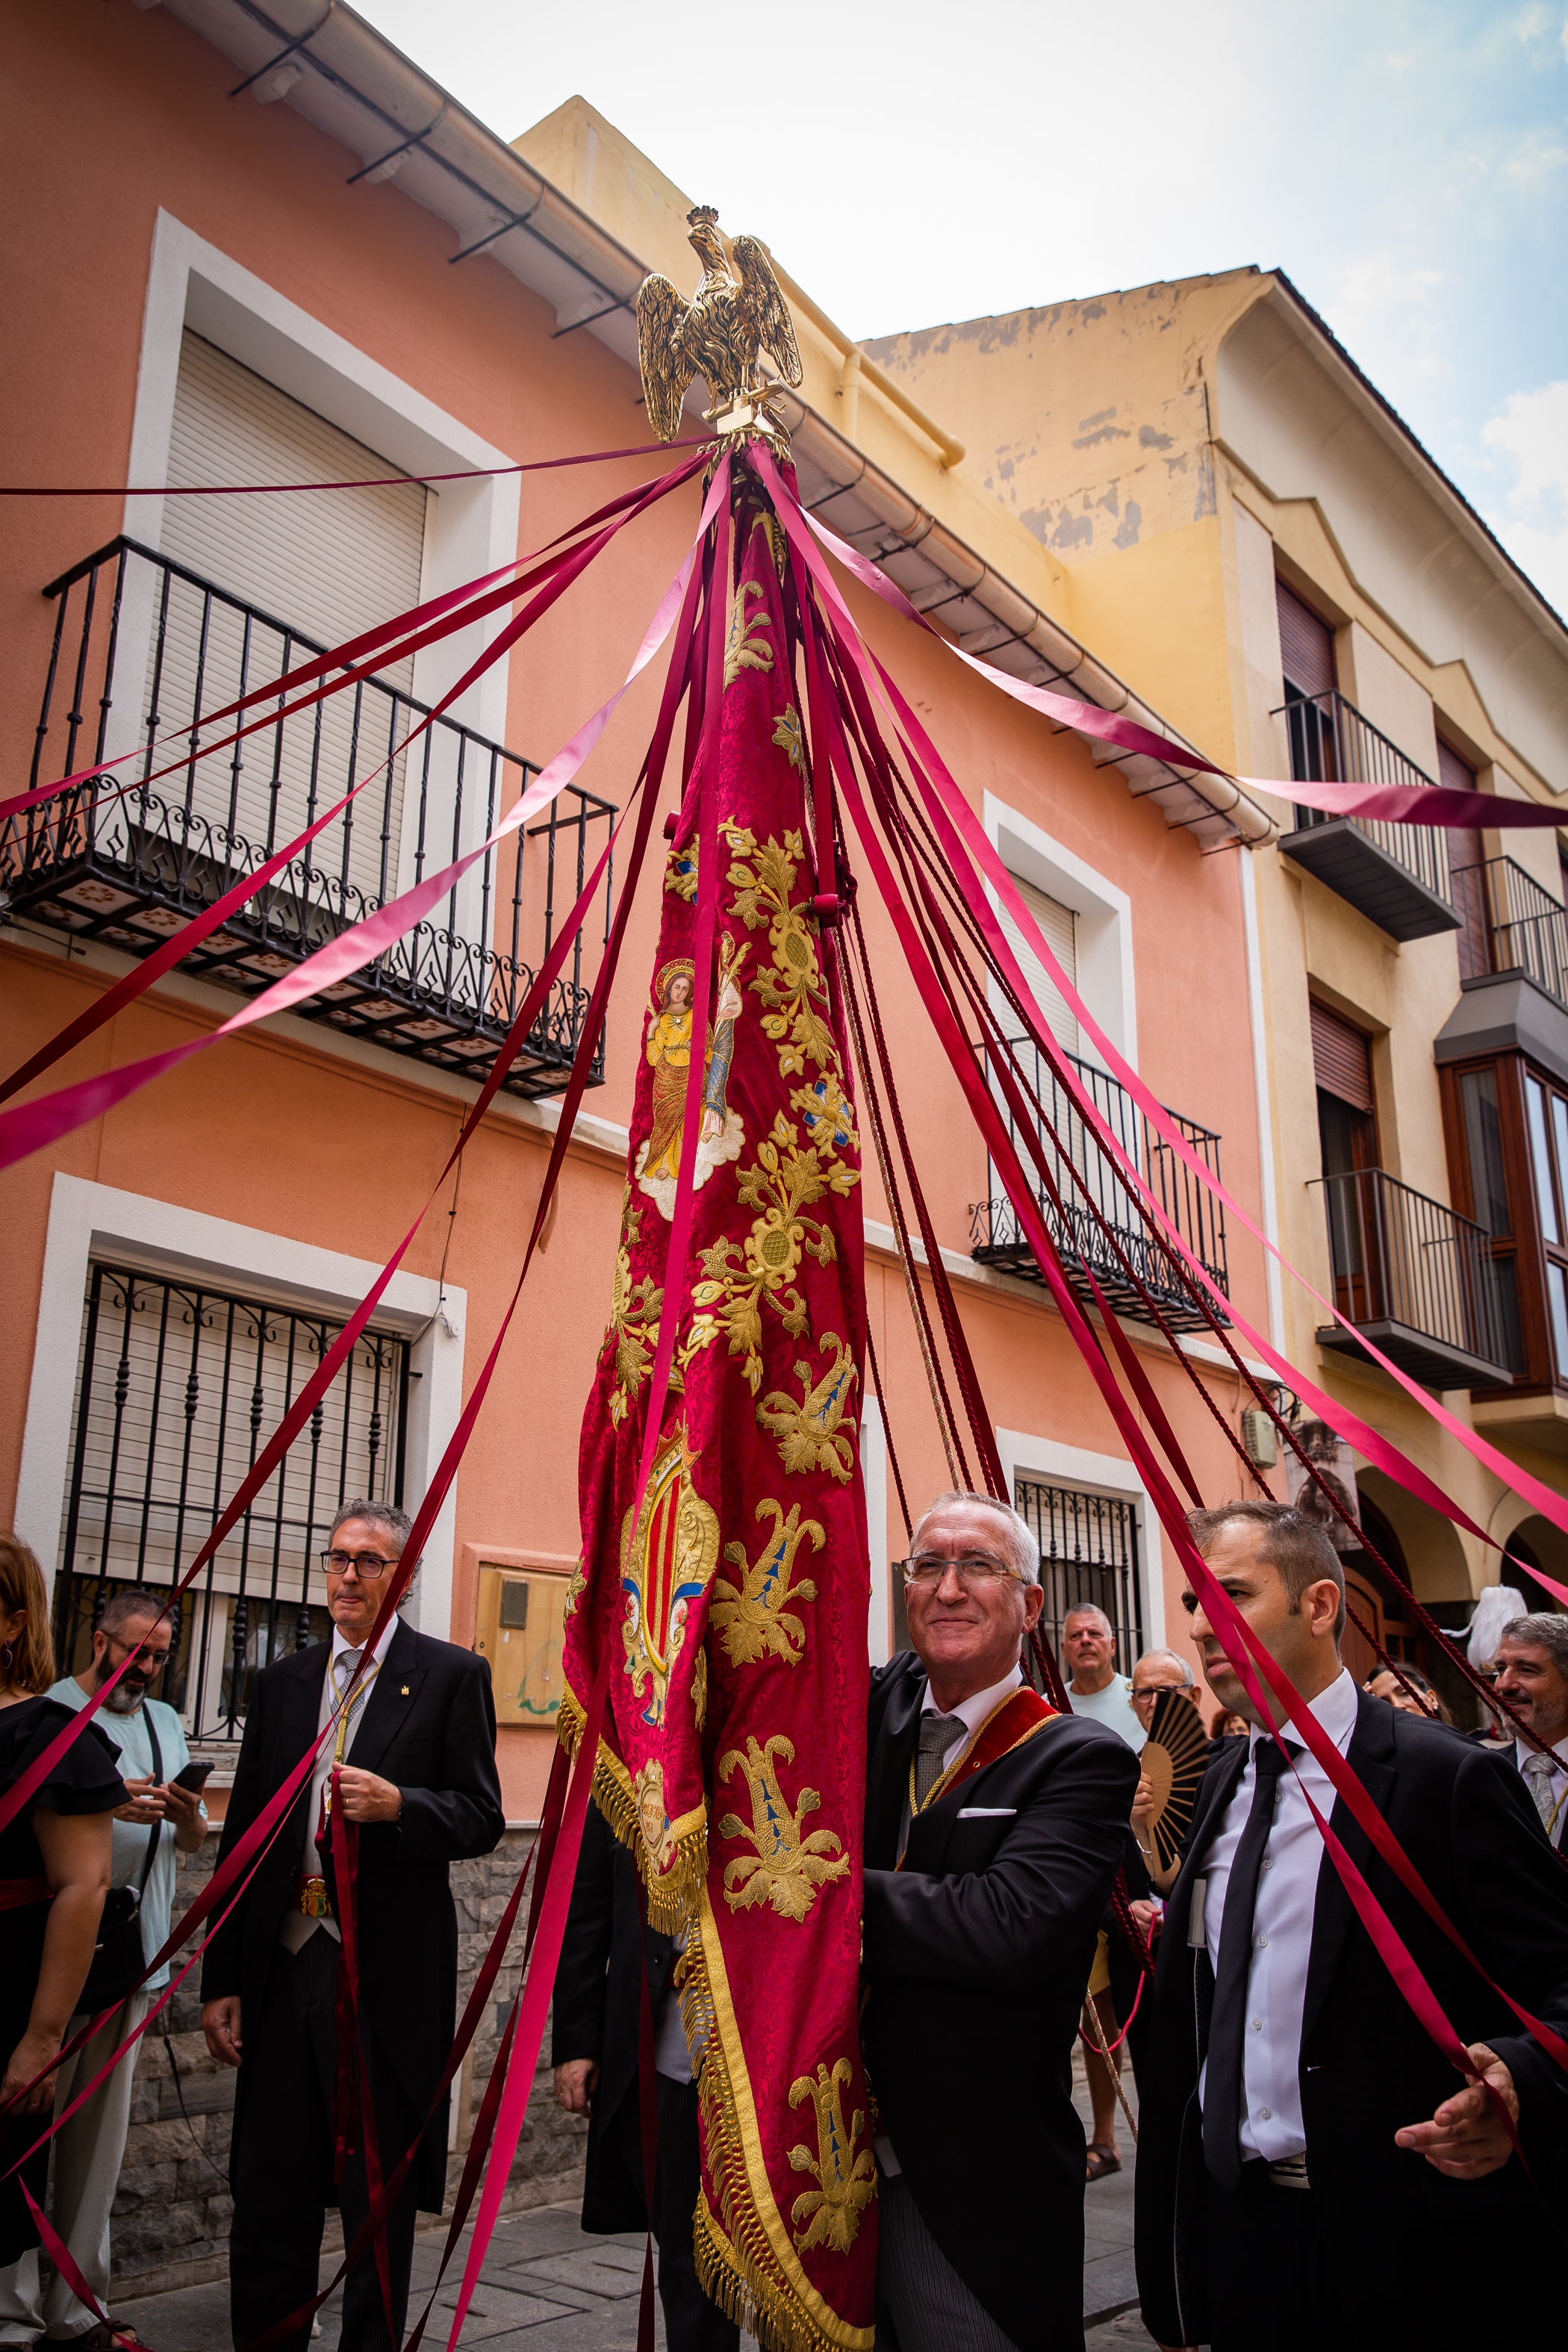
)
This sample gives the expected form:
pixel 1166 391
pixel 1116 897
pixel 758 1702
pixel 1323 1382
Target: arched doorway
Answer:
pixel 1535 1544
pixel 1378 1601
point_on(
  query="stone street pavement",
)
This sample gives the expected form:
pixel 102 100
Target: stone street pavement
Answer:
pixel 548 2288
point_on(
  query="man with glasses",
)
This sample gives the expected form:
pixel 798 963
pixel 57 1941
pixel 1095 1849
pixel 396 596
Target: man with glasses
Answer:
pixel 161 1819
pixel 404 1730
pixel 993 1827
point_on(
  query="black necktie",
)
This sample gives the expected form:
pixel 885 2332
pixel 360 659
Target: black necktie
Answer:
pixel 1227 2031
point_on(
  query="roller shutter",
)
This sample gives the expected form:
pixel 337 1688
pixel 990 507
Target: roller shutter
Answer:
pixel 327 563
pixel 1059 927
pixel 1342 1058
pixel 1306 645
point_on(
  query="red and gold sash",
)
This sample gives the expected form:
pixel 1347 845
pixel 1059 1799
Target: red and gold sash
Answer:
pixel 1019 1716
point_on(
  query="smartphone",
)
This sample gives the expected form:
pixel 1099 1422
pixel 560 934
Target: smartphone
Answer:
pixel 192 1777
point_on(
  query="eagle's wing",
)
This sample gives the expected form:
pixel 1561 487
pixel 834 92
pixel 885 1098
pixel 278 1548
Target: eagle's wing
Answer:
pixel 767 312
pixel 661 348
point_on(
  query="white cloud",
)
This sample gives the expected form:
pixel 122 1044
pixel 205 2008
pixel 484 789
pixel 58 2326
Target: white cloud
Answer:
pixel 1529 435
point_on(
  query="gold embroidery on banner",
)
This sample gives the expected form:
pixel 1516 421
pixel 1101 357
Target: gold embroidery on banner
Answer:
pixel 815 1431
pixel 785 1181
pixel 680 872
pixel 788 1869
pixel 745 649
pixel 576 1586
pixel 635 1310
pixel 753 1619
pixel 653 1820
pixel 666 1564
pixel 789 737
pixel 845 2182
pixel 794 999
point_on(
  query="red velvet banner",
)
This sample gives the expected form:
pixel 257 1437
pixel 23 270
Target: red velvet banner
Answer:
pixel 729 1591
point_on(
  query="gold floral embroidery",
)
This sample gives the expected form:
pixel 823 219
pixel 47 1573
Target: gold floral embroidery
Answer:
pixel 633 1326
pixel 815 1431
pixel 653 1817
pixel 667 1563
pixel 794 999
pixel 745 650
pixel 789 737
pixel 845 2182
pixel 786 1179
pixel 787 1869
pixel 680 871
pixel 753 1619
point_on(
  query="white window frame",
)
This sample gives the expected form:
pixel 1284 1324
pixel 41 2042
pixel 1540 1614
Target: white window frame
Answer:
pixel 1052 1464
pixel 88 1220
pixel 1104 927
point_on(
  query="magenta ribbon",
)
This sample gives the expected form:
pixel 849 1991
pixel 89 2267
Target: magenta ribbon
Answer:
pixel 374 482
pixel 951 812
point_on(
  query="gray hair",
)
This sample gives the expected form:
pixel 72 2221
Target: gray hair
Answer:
pixel 397 1523
pixel 1089 1609
pixel 1179 1663
pixel 1544 1629
pixel 1022 1545
pixel 143 1604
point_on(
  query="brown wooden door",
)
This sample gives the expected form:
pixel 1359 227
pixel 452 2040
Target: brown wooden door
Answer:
pixel 1347 1138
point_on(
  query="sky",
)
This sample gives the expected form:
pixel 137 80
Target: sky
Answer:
pixel 1403 161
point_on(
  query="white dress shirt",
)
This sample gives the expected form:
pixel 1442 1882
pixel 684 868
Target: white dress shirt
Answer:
pixel 966 1719
pixel 1272 2120
pixel 297 1930
pixel 1557 1784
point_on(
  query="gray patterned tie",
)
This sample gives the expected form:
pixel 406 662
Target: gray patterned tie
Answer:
pixel 938 1734
pixel 1538 1772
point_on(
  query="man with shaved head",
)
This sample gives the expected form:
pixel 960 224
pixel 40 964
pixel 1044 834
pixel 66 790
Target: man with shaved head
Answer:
pixel 1096 1689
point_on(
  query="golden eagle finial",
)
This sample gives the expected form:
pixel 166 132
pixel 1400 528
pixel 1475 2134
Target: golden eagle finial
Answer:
pixel 737 313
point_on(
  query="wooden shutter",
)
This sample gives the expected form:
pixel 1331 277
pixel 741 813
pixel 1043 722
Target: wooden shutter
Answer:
pixel 329 563
pixel 1457 774
pixel 1342 1058
pixel 1059 926
pixel 1306 645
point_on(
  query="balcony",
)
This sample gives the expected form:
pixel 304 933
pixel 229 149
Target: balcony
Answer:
pixel 142 646
pixel 998 1239
pixel 1396 875
pixel 1416 1279
pixel 1516 925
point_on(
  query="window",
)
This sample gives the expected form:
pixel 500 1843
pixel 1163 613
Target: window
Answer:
pixel 1088 1551
pixel 1059 927
pixel 1307 663
pixel 1467 862
pixel 328 564
pixel 1546 1124
pixel 178 1387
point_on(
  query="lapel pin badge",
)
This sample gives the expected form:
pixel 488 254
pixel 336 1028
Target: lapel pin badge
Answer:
pixel 405 1690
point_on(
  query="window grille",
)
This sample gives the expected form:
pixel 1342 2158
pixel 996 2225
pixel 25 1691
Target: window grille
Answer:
pixel 179 1385
pixel 1088 1551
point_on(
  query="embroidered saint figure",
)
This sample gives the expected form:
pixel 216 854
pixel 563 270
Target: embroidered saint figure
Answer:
pixel 669 1050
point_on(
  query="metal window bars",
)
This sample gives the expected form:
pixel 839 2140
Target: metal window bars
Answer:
pixel 1088 1552
pixel 142 646
pixel 1332 742
pixel 1417 1274
pixel 998 1239
pixel 179 1383
pixel 1525 928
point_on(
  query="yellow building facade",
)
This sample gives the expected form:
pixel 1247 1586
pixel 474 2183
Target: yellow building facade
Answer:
pixel 1254 540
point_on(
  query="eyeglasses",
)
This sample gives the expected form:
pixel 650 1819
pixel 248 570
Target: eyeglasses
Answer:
pixel 139 1653
pixel 976 1568
pixel 369 1564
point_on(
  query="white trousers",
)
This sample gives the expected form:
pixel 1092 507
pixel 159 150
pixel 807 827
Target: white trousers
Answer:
pixel 87 2153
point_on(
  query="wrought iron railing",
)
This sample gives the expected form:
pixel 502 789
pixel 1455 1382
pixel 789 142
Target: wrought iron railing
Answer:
pixel 998 1239
pixel 1331 743
pixel 142 648
pixel 1088 1553
pixel 178 1387
pixel 1522 927
pixel 1399 1257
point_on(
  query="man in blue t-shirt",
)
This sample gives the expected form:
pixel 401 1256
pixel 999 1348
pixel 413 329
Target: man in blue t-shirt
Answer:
pixel 90 2148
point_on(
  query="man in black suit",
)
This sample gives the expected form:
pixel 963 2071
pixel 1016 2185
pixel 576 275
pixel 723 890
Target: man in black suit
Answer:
pixel 993 1827
pixel 596 2043
pixel 1310 2171
pixel 422 1785
pixel 1533 1676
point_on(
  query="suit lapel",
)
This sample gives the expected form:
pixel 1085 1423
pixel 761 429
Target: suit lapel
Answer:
pixel 1370 1758
pixel 390 1703
pixel 888 1770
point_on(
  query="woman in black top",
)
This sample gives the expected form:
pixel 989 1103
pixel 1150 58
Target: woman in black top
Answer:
pixel 53 1874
